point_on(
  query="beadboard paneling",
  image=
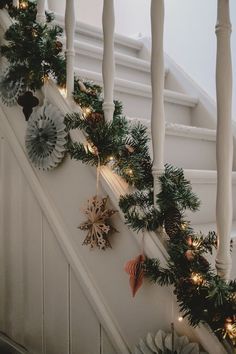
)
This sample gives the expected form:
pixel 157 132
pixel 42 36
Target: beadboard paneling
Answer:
pixel 56 295
pixel 43 305
pixel 13 235
pixel 85 327
pixel 33 274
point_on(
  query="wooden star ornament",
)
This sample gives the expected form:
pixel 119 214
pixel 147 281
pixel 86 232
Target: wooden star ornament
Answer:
pixel 134 268
pixel 97 223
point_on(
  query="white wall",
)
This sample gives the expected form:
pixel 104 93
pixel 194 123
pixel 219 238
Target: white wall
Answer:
pixel 189 31
pixel 190 39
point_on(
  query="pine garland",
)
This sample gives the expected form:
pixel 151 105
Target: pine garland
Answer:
pixel 34 52
pixel 5 4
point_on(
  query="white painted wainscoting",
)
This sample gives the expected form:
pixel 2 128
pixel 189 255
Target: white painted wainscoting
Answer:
pixel 43 306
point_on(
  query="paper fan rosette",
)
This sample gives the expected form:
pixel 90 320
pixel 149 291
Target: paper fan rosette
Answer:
pixel 46 137
pixel 9 90
pixel 162 343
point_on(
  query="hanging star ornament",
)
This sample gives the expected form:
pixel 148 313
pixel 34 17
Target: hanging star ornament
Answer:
pixel 97 223
pixel 134 268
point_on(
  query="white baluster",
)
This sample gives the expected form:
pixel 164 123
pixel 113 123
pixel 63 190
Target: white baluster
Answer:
pixel 15 3
pixel 41 18
pixel 70 52
pixel 157 78
pixel 108 65
pixel 224 149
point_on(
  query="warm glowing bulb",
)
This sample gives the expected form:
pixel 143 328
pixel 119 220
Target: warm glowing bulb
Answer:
pixel 196 243
pixel 45 79
pixel 180 318
pixel 23 5
pixel 111 158
pixel 184 226
pixel 87 111
pixel 196 278
pixel 34 33
pixel 229 327
pixel 130 172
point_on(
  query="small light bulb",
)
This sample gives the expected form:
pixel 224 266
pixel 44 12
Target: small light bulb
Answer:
pixel 229 327
pixel 196 243
pixel 180 318
pixel 111 158
pixel 34 33
pixel 87 111
pixel 196 278
pixel 23 5
pixel 130 172
pixel 184 226
pixel 45 79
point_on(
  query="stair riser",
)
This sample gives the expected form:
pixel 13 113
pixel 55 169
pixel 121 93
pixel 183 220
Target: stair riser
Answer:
pixel 136 105
pixel 190 153
pixel 119 47
pixel 207 195
pixel 92 61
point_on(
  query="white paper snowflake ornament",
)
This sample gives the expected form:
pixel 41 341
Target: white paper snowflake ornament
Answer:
pixel 46 137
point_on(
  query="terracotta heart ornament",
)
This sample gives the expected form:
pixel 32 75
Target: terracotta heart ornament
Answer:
pixel 134 268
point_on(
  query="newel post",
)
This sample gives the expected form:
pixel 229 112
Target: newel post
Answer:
pixel 70 52
pixel 224 144
pixel 41 17
pixel 108 64
pixel 157 80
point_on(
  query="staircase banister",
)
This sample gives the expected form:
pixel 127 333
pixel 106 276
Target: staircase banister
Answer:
pixel 224 140
pixel 66 109
pixel 157 83
pixel 108 63
pixel 70 51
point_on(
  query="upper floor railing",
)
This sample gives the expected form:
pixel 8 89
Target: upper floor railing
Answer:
pixel 224 102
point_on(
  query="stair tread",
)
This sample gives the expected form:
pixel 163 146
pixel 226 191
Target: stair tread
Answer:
pixel 208 176
pixel 188 131
pixel 95 51
pixel 143 90
pixel 95 32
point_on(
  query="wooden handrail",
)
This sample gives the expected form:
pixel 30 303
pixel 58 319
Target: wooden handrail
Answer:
pixel 224 144
pixel 157 79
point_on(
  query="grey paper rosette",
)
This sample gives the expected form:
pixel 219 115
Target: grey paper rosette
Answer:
pixel 10 91
pixel 46 137
pixel 161 343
